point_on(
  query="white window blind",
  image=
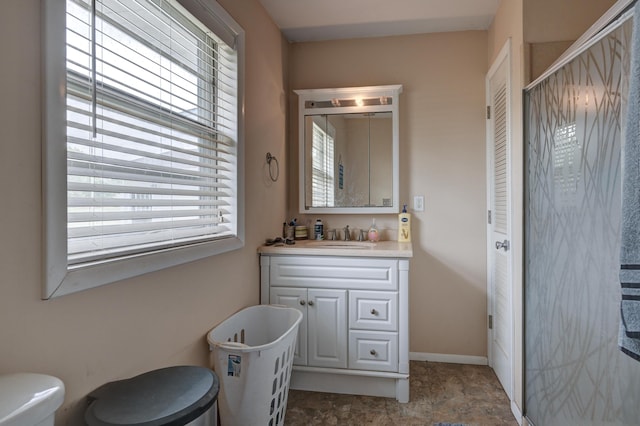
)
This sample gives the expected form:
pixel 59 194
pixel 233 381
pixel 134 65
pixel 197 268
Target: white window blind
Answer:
pixel 322 163
pixel 151 129
pixel 152 134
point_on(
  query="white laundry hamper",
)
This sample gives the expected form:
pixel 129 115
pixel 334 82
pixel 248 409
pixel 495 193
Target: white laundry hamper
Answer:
pixel 253 354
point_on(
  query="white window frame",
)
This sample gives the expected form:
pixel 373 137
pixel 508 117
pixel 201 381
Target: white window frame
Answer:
pixel 59 278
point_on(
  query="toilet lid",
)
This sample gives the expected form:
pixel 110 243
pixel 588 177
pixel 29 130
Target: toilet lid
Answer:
pixel 28 397
pixel 169 396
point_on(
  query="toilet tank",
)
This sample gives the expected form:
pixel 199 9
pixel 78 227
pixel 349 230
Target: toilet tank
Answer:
pixel 29 399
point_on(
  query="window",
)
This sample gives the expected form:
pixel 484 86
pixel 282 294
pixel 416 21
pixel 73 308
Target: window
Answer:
pixel 322 154
pixel 143 150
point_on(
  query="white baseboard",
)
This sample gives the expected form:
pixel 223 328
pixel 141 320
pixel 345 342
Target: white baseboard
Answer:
pixel 450 358
pixel 517 414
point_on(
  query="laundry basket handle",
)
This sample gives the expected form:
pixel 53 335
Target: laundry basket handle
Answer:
pixel 232 345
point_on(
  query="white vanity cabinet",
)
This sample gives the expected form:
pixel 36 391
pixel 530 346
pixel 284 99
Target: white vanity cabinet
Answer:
pixel 354 337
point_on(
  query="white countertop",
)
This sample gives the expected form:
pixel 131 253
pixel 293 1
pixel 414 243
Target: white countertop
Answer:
pixel 341 248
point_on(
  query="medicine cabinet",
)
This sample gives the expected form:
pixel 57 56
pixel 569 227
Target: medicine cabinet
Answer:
pixel 349 149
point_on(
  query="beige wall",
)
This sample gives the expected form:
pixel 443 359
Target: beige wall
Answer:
pixel 553 20
pixel 508 24
pixel 442 153
pixel 542 55
pixel 551 26
pixel 155 320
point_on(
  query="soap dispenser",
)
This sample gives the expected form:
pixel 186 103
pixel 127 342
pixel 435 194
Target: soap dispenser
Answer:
pixel 404 226
pixel 373 234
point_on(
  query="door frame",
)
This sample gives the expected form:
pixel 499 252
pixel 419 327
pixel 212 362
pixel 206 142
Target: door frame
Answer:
pixel 503 56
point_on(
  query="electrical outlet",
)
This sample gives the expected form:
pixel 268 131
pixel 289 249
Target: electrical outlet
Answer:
pixel 418 203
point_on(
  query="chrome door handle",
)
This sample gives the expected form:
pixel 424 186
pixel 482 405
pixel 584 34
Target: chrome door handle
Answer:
pixel 502 245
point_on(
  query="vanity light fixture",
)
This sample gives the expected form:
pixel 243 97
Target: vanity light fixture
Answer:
pixel 348 102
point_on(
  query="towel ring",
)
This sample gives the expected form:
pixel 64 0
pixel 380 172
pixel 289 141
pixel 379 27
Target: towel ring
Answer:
pixel 269 159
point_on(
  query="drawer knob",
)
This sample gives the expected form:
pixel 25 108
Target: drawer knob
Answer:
pixel 373 352
pixel 310 302
pixel 302 302
pixel 374 312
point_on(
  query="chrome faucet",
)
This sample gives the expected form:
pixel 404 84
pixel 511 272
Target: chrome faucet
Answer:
pixel 347 235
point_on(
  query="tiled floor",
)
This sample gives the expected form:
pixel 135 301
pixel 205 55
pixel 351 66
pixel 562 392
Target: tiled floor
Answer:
pixel 453 393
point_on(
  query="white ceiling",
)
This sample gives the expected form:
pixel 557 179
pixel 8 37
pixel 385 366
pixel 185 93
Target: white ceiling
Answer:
pixel 314 20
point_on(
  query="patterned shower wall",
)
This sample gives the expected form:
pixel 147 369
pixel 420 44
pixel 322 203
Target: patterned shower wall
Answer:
pixel 574 372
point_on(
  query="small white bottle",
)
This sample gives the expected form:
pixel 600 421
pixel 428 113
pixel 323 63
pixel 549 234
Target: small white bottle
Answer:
pixel 318 230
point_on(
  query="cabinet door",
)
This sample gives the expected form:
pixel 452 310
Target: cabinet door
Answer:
pixel 327 328
pixel 295 298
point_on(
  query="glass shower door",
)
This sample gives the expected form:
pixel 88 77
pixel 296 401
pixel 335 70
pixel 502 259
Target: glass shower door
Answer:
pixel 574 372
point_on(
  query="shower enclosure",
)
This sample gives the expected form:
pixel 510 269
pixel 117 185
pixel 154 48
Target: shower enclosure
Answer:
pixel 575 373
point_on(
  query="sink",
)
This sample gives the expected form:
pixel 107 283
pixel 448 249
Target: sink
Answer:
pixel 341 244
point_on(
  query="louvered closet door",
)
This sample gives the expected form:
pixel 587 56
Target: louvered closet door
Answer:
pixel 499 261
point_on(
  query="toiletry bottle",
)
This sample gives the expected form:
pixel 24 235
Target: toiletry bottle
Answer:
pixel 373 234
pixel 404 226
pixel 318 230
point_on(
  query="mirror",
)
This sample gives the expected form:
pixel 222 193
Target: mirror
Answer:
pixel 349 150
pixel 348 160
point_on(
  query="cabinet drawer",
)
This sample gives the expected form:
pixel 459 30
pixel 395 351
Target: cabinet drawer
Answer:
pixel 334 272
pixel 373 310
pixel 370 350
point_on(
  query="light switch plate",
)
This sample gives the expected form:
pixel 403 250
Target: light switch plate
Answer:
pixel 418 203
